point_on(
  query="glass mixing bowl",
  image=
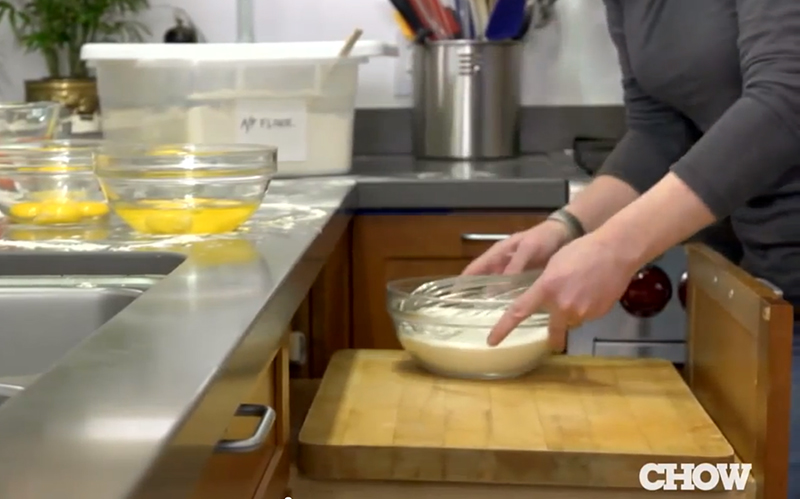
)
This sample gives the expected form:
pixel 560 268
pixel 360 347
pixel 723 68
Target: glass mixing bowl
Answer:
pixel 185 188
pixel 443 323
pixel 51 184
pixel 29 121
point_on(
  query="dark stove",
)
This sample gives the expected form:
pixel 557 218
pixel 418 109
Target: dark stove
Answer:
pixel 589 154
pixel 650 319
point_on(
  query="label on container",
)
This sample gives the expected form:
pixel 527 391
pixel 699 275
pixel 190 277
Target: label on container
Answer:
pixel 278 123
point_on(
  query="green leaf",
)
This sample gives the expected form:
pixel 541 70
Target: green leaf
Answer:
pixel 57 29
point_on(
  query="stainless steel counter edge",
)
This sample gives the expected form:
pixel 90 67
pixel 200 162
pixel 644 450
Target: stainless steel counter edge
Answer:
pixel 110 421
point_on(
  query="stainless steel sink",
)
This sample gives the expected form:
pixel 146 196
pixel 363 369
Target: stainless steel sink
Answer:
pixel 39 324
pixel 42 318
pixel 51 302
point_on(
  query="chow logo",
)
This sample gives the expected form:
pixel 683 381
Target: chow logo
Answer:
pixel 674 476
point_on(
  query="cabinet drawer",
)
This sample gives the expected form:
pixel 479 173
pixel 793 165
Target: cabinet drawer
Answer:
pixel 238 473
pixel 275 482
pixel 442 236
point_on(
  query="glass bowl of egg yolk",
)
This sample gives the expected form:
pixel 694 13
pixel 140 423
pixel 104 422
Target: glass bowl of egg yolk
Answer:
pixel 182 189
pixel 29 121
pixel 51 184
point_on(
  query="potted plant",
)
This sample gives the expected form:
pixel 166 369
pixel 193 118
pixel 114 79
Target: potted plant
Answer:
pixel 57 29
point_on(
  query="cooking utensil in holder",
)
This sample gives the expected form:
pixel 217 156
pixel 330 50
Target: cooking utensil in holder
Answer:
pixel 466 99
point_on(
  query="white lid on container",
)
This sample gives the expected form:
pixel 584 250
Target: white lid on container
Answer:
pixel 233 52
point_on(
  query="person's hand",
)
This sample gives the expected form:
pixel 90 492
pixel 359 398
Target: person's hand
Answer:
pixel 581 282
pixel 522 251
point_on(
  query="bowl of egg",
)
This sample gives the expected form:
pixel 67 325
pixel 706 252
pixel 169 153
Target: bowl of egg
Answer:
pixel 444 323
pixel 29 121
pixel 185 189
pixel 51 184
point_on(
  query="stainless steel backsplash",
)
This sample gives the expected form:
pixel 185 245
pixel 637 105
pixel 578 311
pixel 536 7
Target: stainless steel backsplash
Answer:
pixel 544 129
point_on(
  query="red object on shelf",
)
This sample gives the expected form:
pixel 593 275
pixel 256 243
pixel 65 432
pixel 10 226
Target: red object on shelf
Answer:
pixel 682 287
pixel 648 293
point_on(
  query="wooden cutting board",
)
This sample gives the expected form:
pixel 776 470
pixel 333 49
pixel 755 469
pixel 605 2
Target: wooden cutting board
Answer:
pixel 576 421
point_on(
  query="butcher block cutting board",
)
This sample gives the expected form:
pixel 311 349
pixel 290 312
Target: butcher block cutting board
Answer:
pixel 575 421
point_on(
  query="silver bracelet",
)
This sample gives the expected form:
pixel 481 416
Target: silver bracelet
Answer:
pixel 570 221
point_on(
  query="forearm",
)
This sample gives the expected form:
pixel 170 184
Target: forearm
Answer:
pixel 601 200
pixel 636 164
pixel 666 215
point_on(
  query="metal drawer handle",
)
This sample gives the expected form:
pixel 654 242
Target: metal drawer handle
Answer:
pixel 268 417
pixel 485 238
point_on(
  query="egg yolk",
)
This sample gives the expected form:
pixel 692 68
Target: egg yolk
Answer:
pixel 57 211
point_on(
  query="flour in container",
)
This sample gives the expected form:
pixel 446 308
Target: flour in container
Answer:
pixel 329 133
pixel 328 138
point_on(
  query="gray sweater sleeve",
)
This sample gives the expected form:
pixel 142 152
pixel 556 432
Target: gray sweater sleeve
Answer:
pixel 657 134
pixel 757 141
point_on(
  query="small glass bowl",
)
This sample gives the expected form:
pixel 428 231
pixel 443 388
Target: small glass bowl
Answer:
pixel 445 328
pixel 51 184
pixel 29 121
pixel 185 188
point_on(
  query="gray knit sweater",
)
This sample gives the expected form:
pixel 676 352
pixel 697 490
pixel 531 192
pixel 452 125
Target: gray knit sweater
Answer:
pixel 712 93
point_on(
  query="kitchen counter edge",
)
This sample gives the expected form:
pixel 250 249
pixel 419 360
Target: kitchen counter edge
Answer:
pixel 109 420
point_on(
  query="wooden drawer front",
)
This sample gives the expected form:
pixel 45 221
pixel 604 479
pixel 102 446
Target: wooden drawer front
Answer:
pixel 388 247
pixel 442 236
pixel 275 483
pixel 740 363
pixel 239 475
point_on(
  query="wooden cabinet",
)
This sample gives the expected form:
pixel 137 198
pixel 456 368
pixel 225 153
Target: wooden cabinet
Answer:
pixel 346 307
pixel 740 363
pixel 389 247
pixel 262 473
pixel 324 317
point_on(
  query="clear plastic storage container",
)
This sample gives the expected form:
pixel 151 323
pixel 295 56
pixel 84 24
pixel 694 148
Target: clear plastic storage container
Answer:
pixel 298 97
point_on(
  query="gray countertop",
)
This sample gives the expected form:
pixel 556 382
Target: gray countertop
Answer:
pixel 400 182
pixel 112 419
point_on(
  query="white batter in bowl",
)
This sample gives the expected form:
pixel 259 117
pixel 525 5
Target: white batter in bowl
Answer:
pixel 447 335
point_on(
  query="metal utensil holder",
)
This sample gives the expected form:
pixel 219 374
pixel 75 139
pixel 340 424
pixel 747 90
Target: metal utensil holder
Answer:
pixel 466 99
